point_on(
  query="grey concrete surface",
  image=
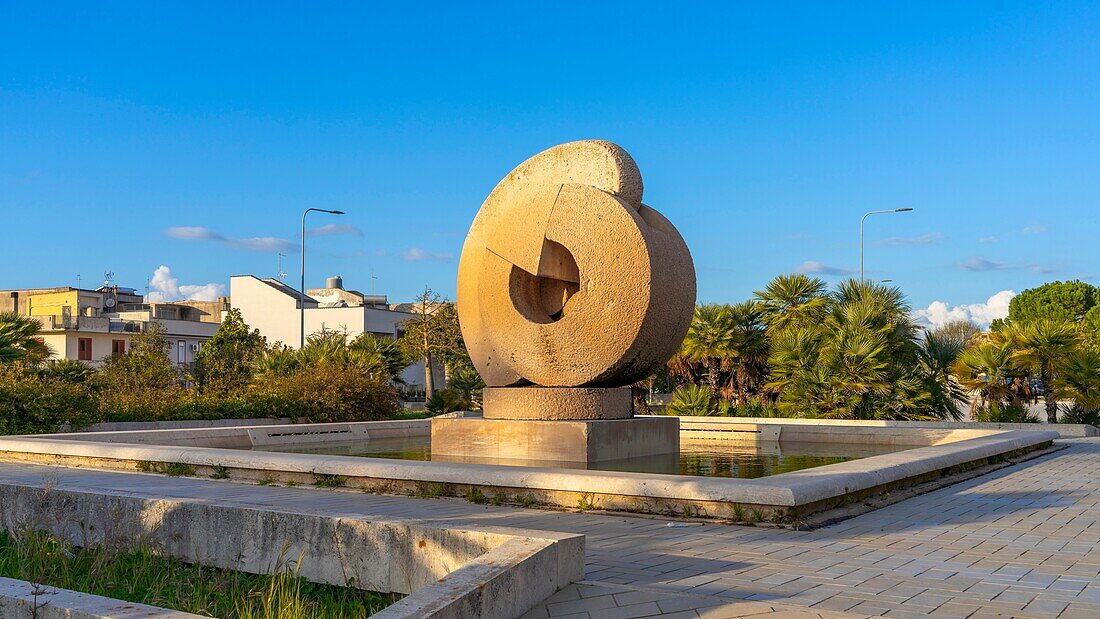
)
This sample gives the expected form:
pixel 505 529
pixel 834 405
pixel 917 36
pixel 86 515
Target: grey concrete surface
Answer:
pixel 810 489
pixel 1023 541
pixel 23 600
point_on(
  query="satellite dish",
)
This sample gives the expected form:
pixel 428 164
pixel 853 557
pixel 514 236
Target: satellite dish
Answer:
pixel 109 302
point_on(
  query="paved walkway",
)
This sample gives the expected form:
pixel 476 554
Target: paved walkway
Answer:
pixel 1019 542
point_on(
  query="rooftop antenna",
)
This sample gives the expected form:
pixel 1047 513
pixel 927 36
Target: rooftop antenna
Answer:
pixel 373 278
pixel 109 302
pixel 280 274
pixel 78 280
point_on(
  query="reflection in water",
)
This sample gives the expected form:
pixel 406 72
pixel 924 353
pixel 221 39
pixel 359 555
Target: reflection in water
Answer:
pixel 697 457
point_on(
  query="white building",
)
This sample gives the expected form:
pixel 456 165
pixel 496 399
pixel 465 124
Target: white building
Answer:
pixel 272 307
pixel 91 325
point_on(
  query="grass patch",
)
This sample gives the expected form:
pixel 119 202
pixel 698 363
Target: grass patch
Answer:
pixel 171 469
pixel 140 574
pixel 220 472
pixel 328 480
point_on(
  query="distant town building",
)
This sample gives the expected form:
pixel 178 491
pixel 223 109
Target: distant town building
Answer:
pixel 91 325
pixel 268 304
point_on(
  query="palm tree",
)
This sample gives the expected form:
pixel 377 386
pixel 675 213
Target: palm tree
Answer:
pixel 1079 382
pixel 747 350
pixel 20 340
pixel 791 300
pixel 987 370
pixel 1044 346
pixel 935 355
pixel 385 350
pixel 696 400
pixel 708 340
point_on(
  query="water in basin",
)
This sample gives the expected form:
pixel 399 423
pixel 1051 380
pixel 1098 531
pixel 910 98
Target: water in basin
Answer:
pixel 706 458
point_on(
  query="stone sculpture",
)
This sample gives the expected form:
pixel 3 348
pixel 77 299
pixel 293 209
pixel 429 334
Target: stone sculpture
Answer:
pixel 569 288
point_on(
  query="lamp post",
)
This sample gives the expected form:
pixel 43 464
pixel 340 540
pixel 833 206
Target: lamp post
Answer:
pixel 302 290
pixel 864 218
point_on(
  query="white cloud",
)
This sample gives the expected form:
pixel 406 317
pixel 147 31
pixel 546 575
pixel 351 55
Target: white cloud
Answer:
pixel 988 239
pixel 981 264
pixel 1035 229
pixel 166 287
pixel 332 229
pixel 815 267
pixel 939 313
pixel 931 238
pixel 415 254
pixel 256 243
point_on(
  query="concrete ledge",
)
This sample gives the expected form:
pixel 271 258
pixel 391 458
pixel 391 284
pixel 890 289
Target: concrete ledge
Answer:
pixel 499 571
pixel 704 496
pixel 20 599
pixel 243 437
pixel 183 424
pixel 831 427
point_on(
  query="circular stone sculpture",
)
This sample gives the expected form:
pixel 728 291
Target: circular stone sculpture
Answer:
pixel 568 280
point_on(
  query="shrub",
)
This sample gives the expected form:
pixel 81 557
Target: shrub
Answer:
pixel 324 392
pixel 696 400
pixel 448 401
pixel 32 404
pixel 997 412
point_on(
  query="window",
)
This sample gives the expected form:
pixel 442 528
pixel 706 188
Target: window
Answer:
pixel 181 351
pixel 84 349
pixel 118 347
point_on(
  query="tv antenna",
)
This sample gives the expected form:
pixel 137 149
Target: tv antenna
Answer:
pixel 108 275
pixel 373 278
pixel 78 280
pixel 280 274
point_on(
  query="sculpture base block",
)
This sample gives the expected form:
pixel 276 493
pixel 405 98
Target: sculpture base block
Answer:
pixel 554 403
pixel 565 441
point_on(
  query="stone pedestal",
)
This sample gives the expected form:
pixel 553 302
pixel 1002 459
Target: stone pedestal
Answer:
pixel 554 403
pixel 564 441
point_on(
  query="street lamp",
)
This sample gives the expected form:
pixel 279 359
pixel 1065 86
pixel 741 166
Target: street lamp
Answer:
pixel 864 218
pixel 302 291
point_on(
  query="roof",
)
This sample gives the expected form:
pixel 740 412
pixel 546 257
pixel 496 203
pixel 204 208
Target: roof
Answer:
pixel 283 288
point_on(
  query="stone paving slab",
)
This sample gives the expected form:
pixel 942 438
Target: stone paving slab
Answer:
pixel 1023 541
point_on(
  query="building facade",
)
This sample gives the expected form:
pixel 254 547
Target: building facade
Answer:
pixel 92 325
pixel 272 307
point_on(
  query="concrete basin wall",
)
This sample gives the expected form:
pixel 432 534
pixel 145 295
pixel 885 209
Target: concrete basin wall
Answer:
pixel 880 432
pixel 782 496
pixel 496 572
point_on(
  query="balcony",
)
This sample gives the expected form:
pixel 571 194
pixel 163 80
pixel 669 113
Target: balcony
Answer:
pixel 92 324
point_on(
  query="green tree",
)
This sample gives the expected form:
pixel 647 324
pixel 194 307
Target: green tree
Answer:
pixel 860 362
pixel 144 367
pixel 794 300
pixel 1043 346
pixel 432 334
pixel 748 348
pixel 20 340
pixel 1090 328
pixel 224 364
pixel 141 384
pixel 1063 301
pixel 935 356
pixel 1079 383
pixel 709 340
pixel 988 369
pixel 696 400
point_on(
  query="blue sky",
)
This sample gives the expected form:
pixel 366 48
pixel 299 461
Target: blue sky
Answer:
pixel 192 136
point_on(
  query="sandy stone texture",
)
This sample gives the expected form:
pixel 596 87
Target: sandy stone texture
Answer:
pixel 567 280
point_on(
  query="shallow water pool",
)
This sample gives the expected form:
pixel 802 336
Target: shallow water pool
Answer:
pixel 705 458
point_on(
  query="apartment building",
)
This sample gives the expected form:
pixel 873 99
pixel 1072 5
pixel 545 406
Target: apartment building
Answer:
pixel 271 306
pixel 91 325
